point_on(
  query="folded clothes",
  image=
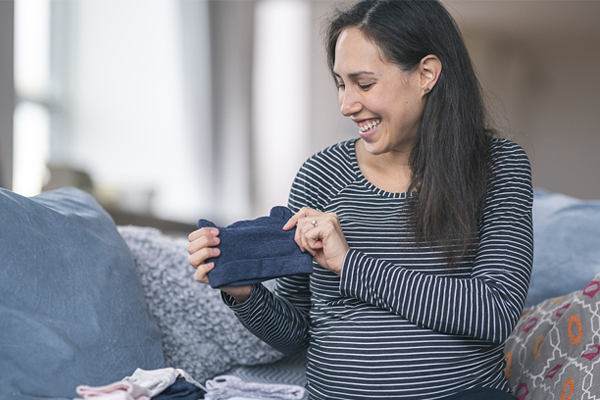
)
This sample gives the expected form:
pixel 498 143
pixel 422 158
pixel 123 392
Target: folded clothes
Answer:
pixel 227 386
pixel 158 384
pixel 115 391
pixel 257 250
pixel 119 395
pixel 158 380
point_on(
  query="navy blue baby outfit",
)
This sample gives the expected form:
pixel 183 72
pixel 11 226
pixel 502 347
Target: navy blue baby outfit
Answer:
pixel 257 250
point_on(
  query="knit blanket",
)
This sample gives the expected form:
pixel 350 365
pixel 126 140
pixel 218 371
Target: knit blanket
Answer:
pixel 200 334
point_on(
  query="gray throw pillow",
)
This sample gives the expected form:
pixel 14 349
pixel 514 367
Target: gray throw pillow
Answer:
pixel 200 334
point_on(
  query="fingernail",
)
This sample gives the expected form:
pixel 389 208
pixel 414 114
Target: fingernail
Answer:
pixel 214 232
pixel 215 251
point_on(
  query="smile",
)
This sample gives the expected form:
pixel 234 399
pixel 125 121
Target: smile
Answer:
pixel 365 126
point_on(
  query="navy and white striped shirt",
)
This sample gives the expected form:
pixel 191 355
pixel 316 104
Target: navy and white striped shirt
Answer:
pixel 397 324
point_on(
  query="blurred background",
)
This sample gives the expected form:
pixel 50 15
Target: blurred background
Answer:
pixel 173 110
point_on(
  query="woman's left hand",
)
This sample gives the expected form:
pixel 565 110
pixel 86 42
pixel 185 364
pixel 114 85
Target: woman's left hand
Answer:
pixel 321 235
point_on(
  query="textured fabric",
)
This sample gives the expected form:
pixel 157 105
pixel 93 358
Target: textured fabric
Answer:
pixel 256 251
pixel 72 310
pixel 554 352
pixel 396 324
pixel 200 334
pixel 566 245
pixel 226 386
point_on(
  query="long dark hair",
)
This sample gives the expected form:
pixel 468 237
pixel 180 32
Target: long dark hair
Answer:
pixel 450 159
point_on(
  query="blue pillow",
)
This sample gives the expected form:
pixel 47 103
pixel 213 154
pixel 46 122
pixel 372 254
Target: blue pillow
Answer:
pixel 72 310
pixel 566 245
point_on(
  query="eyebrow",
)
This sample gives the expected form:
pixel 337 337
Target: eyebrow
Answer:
pixel 355 74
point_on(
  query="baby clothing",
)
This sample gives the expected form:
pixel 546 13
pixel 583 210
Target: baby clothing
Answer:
pixel 181 390
pixel 257 250
pixel 158 380
pixel 158 384
pixel 228 386
pixel 121 390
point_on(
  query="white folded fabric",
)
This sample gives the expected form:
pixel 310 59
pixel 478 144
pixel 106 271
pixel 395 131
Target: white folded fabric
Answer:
pixel 228 386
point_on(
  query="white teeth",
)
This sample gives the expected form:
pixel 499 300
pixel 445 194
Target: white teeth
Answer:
pixel 369 125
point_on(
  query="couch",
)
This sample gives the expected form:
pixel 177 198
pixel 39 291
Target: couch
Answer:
pixel 86 302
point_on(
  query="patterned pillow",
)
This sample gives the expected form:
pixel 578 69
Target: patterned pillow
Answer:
pixel 554 352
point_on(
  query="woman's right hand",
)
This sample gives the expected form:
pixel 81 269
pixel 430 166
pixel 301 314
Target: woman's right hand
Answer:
pixel 201 248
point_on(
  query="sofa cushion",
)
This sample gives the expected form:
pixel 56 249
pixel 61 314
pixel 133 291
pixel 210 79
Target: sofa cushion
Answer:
pixel 72 310
pixel 566 250
pixel 554 352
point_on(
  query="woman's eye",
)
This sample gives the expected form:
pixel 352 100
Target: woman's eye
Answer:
pixel 365 87
pixel 341 86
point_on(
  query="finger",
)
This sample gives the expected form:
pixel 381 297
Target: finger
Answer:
pixel 203 232
pixel 309 235
pixel 298 239
pixel 201 274
pixel 291 223
pixel 199 257
pixel 303 213
pixel 201 242
pixel 315 244
pixel 313 239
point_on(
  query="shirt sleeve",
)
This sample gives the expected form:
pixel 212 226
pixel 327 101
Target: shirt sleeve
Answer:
pixel 487 305
pixel 281 322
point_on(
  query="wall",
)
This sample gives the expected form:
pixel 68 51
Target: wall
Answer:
pixel 538 62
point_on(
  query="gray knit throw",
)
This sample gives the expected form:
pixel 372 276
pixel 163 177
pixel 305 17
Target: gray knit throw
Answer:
pixel 200 334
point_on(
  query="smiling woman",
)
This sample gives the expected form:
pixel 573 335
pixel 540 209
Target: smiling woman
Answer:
pixel 420 230
pixel 385 102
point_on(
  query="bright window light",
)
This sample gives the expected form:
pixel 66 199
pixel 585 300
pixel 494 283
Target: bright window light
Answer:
pixel 32 135
pixel 32 117
pixel 281 96
pixel 32 47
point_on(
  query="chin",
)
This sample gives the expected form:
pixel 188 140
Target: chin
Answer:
pixel 375 149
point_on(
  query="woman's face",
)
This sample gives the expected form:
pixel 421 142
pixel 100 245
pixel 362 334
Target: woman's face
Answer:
pixel 385 102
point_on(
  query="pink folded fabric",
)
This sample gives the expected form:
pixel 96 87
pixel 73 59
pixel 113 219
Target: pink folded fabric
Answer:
pixel 134 391
pixel 118 395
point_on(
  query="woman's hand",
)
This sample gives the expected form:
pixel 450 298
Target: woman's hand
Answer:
pixel 321 235
pixel 200 249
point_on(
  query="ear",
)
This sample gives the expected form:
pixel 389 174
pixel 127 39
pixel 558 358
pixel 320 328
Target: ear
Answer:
pixel 430 69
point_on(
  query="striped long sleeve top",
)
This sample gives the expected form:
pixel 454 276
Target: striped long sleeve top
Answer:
pixel 397 324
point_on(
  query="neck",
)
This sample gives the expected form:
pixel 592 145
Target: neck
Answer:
pixel 389 171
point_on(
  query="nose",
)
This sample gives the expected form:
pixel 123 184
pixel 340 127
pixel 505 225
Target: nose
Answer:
pixel 349 102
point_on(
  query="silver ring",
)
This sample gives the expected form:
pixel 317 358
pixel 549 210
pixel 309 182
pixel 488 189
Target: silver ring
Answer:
pixel 314 222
